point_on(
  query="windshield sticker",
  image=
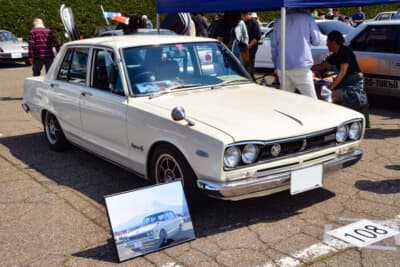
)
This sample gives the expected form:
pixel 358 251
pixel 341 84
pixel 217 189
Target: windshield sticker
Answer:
pixel 228 78
pixel 150 87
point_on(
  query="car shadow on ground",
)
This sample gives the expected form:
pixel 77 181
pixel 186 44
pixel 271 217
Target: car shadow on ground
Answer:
pixel 391 186
pixel 96 178
pixel 6 65
pixel 380 133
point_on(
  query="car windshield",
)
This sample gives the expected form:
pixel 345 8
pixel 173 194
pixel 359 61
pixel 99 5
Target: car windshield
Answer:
pixel 7 36
pixel 158 69
pixel 327 26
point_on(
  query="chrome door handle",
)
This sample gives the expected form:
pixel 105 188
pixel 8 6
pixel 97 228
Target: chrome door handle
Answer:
pixel 86 94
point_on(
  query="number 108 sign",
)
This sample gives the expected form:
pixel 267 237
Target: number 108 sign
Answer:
pixel 363 233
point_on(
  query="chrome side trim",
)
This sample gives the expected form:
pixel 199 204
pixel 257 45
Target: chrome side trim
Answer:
pixel 269 184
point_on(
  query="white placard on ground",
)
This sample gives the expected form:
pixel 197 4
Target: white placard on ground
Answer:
pixel 305 179
pixel 363 233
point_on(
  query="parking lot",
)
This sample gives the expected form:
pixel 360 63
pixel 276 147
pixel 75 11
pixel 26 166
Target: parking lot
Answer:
pixel 53 212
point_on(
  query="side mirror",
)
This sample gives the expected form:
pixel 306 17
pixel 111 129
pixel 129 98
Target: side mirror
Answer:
pixel 20 39
pixel 178 114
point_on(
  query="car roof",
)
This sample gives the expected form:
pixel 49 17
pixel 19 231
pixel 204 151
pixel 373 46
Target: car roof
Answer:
pixel 382 22
pixel 139 40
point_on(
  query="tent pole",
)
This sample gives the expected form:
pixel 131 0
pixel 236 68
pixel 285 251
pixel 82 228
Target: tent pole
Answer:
pixel 158 22
pixel 283 48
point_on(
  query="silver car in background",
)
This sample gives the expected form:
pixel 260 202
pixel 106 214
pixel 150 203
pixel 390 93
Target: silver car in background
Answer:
pixel 377 47
pixel 13 48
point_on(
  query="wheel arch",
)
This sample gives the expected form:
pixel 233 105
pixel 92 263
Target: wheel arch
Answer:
pixel 152 151
pixel 43 115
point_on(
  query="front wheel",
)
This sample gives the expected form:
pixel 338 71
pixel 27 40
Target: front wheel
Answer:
pixel 168 165
pixel 54 134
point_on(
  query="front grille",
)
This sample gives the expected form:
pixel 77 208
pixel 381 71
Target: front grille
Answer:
pixel 297 145
pixel 137 237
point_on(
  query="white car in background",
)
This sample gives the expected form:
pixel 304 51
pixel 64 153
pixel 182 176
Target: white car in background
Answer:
pixel 12 48
pixel 264 57
pixel 387 15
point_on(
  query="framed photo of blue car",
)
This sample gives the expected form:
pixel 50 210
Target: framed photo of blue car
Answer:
pixel 149 219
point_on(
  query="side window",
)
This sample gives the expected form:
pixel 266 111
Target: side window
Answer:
pixel 78 69
pixel 64 70
pixel 74 66
pixel 172 215
pixel 377 39
pixel 105 74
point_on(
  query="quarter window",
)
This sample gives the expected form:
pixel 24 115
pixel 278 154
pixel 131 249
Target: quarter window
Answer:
pixel 74 66
pixel 377 39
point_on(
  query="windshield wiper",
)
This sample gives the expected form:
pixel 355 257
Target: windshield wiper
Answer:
pixel 170 89
pixel 230 82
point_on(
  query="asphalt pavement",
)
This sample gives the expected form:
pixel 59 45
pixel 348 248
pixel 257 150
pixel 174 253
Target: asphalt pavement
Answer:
pixel 53 212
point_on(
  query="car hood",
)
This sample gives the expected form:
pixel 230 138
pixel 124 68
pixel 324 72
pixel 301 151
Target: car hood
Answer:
pixel 11 46
pixel 253 112
pixel 143 229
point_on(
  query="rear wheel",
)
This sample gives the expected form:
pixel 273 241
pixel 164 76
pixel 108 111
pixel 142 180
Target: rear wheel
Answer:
pixel 168 165
pixel 54 134
pixel 27 62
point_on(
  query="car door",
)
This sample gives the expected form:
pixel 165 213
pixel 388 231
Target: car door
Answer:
pixel 378 53
pixel 104 108
pixel 67 87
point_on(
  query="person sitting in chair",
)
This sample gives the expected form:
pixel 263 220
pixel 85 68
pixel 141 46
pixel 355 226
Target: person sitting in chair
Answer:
pixel 348 85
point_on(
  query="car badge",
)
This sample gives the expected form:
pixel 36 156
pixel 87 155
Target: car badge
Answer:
pixel 276 150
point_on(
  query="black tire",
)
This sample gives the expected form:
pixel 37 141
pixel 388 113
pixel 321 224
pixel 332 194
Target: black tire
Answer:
pixel 54 134
pixel 163 238
pixel 27 62
pixel 165 153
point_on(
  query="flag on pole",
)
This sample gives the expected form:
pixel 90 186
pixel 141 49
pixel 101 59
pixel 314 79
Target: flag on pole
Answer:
pixel 110 14
pixel 121 19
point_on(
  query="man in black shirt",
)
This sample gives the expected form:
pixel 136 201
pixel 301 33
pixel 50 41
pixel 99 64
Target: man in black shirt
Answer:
pixel 253 29
pixel 348 85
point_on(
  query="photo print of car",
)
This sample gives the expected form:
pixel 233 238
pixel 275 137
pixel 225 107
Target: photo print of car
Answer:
pixel 161 220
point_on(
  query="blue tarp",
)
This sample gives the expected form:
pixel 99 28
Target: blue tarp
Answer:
pixel 174 6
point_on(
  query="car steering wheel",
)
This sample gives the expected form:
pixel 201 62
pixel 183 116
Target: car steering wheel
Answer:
pixel 146 76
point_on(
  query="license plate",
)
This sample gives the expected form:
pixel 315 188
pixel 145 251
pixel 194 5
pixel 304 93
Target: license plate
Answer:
pixel 16 55
pixel 137 244
pixel 305 179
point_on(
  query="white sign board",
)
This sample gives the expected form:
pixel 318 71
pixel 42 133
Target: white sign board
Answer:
pixel 363 233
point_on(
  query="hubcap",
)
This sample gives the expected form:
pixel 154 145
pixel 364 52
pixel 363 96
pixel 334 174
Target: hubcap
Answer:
pixel 167 169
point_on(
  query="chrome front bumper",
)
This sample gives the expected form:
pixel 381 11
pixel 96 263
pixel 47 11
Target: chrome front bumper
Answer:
pixel 256 187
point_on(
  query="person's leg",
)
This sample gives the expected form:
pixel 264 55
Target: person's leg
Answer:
pixel 253 52
pixel 303 81
pixel 337 96
pixel 37 67
pixel 289 86
pixel 47 64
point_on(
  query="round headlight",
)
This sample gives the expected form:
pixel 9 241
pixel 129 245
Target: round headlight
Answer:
pixel 249 153
pixel 232 157
pixel 355 130
pixel 341 134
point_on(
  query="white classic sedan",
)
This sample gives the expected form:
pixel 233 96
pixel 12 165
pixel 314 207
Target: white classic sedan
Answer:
pixel 153 105
pixel 155 231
